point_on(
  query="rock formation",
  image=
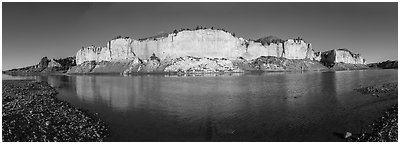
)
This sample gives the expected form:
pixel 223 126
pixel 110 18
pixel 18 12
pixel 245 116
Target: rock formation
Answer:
pixel 205 50
pixel 341 56
pixel 270 63
pixel 46 65
pixel 198 43
pixel 53 63
pixel 44 62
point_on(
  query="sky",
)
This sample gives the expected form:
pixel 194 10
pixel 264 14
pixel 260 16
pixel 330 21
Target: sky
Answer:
pixel 57 30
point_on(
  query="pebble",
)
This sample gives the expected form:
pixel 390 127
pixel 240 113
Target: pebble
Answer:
pixel 347 135
pixel 37 116
pixel 47 123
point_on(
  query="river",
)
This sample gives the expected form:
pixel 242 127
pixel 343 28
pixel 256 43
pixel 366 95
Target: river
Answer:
pixel 277 106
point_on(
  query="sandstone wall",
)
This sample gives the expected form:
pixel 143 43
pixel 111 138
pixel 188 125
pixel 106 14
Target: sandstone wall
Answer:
pixel 119 50
pixel 87 54
pixel 295 49
pixel 256 50
pixel 348 57
pixel 341 55
pixel 199 43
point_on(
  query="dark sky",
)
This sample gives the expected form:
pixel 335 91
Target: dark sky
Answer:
pixel 57 30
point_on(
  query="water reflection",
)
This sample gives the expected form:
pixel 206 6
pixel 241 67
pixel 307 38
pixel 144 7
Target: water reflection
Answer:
pixel 328 89
pixel 110 90
pixel 85 88
pixel 193 95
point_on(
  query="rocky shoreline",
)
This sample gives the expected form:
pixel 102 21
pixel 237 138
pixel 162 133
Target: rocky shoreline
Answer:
pixel 32 113
pixel 385 128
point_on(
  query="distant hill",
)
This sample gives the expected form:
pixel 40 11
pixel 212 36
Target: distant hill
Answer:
pixel 385 65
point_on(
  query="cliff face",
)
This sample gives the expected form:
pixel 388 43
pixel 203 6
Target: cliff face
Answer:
pixel 207 50
pixel 199 43
pixel 341 56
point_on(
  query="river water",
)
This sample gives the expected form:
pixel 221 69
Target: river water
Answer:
pixel 309 106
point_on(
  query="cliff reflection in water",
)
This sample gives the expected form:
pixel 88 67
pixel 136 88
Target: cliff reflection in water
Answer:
pixel 189 95
pixel 110 90
pixel 177 94
pixel 216 96
pixel 227 92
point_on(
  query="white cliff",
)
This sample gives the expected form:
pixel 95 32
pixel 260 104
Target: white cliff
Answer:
pixel 341 56
pixel 207 51
pixel 198 43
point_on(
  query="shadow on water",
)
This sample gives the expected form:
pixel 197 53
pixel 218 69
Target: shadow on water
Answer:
pixel 329 88
pixel 211 129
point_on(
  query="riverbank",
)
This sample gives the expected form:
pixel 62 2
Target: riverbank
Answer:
pixel 385 128
pixel 32 113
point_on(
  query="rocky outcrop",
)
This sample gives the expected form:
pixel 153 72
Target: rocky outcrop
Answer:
pixel 45 66
pixel 317 56
pixel 201 65
pixel 270 63
pixel 347 66
pixel 67 62
pixel 53 63
pixel 330 58
pixel 197 43
pixel 44 62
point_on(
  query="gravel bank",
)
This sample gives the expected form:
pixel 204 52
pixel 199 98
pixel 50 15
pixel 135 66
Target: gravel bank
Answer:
pixel 385 128
pixel 31 112
pixel 387 88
